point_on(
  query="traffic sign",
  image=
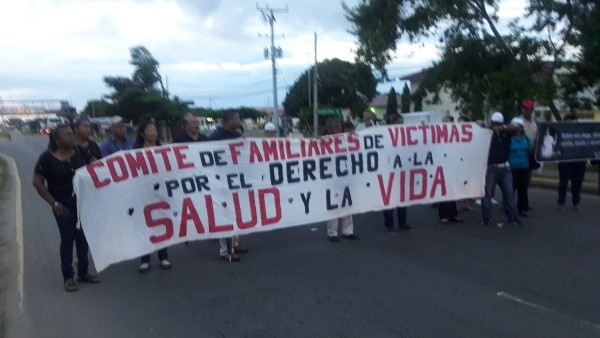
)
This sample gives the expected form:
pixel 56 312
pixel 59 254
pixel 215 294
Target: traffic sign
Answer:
pixel 329 111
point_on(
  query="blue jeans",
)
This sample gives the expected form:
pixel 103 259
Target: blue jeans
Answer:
pixel 503 177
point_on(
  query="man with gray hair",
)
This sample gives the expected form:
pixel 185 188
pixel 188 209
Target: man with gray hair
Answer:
pixel 191 130
pixel 119 140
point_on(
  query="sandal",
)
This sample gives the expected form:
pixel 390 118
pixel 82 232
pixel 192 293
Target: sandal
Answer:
pixel 70 285
pixel 90 279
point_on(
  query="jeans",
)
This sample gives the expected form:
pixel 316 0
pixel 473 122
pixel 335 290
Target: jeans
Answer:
pixel 575 172
pixel 162 255
pixel 521 179
pixel 503 177
pixel 388 217
pixel 67 226
pixel 447 210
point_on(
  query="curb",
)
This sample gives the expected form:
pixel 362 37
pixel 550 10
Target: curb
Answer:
pixel 589 188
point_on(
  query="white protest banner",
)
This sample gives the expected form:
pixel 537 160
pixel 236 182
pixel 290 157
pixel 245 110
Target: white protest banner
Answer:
pixel 135 202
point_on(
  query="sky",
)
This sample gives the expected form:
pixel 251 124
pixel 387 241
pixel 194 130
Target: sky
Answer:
pixel 211 51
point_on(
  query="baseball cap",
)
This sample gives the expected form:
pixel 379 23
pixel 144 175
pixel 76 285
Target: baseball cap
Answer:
pixel 528 104
pixel 115 120
pixel 518 121
pixel 270 127
pixel 497 117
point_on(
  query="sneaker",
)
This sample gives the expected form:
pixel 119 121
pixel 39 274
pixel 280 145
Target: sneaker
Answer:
pixel 577 208
pixel 523 214
pixel 334 239
pixel 165 264
pixel 351 236
pixel 485 223
pixel 240 249
pixel 391 232
pixel 457 220
pixel 70 285
pixel 499 224
pixel 406 227
pixel 231 258
pixel 562 207
pixel 444 220
pixel 516 221
pixel 144 267
pixel 90 279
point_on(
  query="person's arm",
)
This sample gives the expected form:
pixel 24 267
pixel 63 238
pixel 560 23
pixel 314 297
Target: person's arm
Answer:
pixel 39 183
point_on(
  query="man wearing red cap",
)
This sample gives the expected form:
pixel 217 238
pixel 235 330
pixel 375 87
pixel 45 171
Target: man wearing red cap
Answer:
pixel 530 127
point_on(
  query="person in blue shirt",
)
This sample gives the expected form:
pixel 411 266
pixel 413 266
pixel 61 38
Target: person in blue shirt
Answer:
pixel 119 139
pixel 518 160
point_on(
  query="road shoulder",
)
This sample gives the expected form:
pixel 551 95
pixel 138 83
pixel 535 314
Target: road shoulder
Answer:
pixel 10 253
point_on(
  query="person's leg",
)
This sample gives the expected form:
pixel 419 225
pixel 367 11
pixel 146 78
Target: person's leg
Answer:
pixel 401 211
pixel 519 187
pixel 577 176
pixel 67 236
pixel 163 254
pixel 453 210
pixel 347 225
pixel 443 211
pixel 486 201
pixel 82 247
pixel 526 183
pixel 145 259
pixel 563 180
pixel 332 227
pixel 508 198
pixel 388 219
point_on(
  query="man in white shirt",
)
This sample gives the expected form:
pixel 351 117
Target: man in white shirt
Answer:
pixel 530 126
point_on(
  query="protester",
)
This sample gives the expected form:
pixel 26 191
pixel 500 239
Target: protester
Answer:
pixel 147 137
pixel 498 171
pixel 570 171
pixel 270 130
pixel 87 146
pixel 53 180
pixel 230 247
pixel 348 127
pixel 369 120
pixel 388 215
pixel 520 146
pixel 529 125
pixel 191 130
pixel 334 126
pixel 448 210
pixel 119 140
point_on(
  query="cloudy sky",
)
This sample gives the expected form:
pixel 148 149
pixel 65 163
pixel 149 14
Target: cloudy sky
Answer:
pixel 211 50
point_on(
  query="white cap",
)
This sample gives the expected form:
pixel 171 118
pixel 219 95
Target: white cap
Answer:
pixel 115 120
pixel 270 127
pixel 518 121
pixel 497 117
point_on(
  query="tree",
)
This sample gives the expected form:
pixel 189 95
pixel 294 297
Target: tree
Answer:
pixel 143 96
pixel 98 108
pixel 405 99
pixel 392 103
pixel 341 84
pixel 470 39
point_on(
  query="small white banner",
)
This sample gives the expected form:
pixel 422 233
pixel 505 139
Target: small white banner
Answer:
pixel 136 202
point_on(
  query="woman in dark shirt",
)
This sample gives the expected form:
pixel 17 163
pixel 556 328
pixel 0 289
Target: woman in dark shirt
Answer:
pixel 53 180
pixel 147 137
pixel 89 148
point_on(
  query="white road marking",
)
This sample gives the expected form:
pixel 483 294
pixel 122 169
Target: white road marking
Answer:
pixel 516 299
pixel 18 224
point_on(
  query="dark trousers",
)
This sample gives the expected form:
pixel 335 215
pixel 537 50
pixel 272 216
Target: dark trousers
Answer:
pixel 521 179
pixel 69 233
pixel 574 172
pixel 388 217
pixel 162 254
pixel 447 210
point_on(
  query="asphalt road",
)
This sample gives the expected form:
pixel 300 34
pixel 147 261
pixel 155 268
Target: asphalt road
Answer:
pixel 538 280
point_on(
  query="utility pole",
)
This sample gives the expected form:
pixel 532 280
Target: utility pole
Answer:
pixel 315 94
pixel 274 53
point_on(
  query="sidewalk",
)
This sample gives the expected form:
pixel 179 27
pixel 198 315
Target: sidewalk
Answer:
pixel 548 179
